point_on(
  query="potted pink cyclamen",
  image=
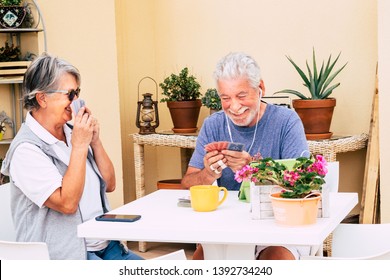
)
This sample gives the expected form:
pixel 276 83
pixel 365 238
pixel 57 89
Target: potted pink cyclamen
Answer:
pixel 300 180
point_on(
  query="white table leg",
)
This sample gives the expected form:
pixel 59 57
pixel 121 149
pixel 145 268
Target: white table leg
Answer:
pixel 228 252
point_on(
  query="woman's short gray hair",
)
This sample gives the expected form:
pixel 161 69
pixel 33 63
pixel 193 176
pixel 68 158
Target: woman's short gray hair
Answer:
pixel 238 65
pixel 44 75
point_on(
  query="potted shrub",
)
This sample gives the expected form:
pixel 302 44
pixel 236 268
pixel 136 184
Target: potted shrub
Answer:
pixel 12 13
pixel 300 181
pixel 316 110
pixel 9 53
pixel 182 96
pixel 211 100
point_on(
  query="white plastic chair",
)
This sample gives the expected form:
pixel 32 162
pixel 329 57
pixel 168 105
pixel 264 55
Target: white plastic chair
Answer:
pixel 177 255
pixel 23 251
pixel 7 231
pixel 359 241
pixel 9 248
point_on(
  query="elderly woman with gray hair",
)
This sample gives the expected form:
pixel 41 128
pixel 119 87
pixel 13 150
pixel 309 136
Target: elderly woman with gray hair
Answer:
pixel 59 172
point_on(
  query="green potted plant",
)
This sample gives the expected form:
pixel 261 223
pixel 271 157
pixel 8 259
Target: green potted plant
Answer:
pixel 12 13
pixel 298 177
pixel 211 100
pixel 10 2
pixel 300 181
pixel 9 53
pixel 182 96
pixel 316 110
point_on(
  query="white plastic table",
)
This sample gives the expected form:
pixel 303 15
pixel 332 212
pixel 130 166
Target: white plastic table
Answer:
pixel 226 233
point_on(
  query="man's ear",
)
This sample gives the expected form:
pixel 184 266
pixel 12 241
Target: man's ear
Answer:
pixel 262 88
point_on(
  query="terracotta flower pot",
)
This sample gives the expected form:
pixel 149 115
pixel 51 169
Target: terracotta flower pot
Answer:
pixel 184 115
pixel 295 211
pixel 170 184
pixel 316 116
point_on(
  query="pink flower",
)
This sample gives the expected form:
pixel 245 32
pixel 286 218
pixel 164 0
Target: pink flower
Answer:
pixel 306 175
pixel 319 166
pixel 291 177
pixel 246 173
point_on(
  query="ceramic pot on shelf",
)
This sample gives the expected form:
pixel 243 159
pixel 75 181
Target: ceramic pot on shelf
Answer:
pixel 184 115
pixel 316 116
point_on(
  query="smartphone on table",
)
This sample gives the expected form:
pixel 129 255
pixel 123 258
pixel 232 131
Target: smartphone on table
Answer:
pixel 118 218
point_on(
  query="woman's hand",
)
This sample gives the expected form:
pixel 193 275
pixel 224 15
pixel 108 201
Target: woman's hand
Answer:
pixel 96 131
pixel 83 129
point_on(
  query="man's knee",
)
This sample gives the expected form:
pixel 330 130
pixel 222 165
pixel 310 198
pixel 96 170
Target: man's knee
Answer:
pixel 276 253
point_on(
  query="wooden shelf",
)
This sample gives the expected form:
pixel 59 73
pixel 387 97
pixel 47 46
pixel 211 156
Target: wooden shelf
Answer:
pixel 13 68
pixel 11 80
pixel 20 30
pixel 6 141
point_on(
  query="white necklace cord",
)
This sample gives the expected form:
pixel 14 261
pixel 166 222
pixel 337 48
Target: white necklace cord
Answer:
pixel 254 135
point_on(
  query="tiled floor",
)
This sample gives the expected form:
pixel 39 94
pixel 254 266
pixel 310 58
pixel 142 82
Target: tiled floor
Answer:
pixel 157 249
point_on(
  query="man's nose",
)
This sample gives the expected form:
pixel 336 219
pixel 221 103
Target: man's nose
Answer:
pixel 235 105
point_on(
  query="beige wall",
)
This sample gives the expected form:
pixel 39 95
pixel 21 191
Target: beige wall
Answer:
pixel 83 32
pixel 136 59
pixel 197 33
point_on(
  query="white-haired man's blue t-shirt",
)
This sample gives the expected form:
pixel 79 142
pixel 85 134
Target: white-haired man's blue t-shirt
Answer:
pixel 279 135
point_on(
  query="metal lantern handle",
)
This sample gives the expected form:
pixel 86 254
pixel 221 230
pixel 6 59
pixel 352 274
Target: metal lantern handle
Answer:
pixel 147 77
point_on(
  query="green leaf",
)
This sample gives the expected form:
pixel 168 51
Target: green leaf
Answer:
pixel 329 91
pixel 316 82
pixel 297 93
pixel 301 73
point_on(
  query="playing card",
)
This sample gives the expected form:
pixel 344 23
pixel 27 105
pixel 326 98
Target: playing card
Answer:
pixel 219 146
pixel 210 147
pixel 222 145
pixel 235 147
pixel 185 198
pixel 76 105
pixel 184 201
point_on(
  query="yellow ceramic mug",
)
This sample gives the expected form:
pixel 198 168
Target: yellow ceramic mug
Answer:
pixel 205 198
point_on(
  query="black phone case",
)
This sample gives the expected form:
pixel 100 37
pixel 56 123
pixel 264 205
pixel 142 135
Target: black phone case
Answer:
pixel 115 219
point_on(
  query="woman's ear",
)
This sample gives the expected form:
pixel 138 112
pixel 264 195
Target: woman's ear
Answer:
pixel 41 99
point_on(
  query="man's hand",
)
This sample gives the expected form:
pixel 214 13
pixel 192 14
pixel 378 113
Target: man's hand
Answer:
pixel 236 160
pixel 214 162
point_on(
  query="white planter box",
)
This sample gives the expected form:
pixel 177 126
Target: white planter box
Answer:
pixel 261 206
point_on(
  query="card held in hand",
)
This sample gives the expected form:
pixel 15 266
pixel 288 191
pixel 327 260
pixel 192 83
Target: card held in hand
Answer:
pixel 77 104
pixel 224 145
pixel 238 147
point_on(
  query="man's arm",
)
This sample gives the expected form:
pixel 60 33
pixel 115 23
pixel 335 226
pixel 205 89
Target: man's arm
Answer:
pixel 195 176
pixel 206 176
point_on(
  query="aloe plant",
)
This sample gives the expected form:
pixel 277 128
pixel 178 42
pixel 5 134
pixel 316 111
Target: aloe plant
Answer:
pixel 318 83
